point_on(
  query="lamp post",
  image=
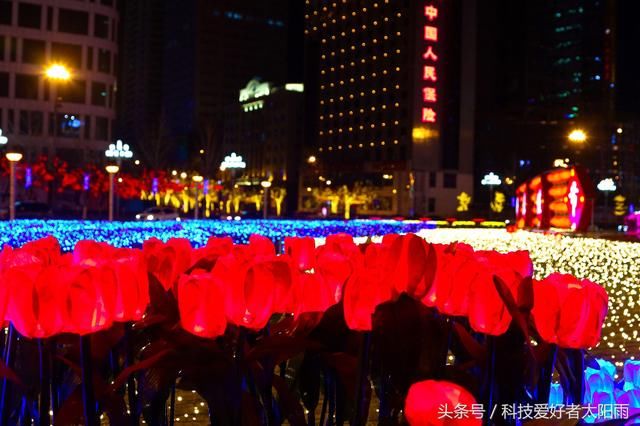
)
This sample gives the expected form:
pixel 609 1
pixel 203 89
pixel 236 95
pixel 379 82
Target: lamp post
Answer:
pixel 112 169
pixel 197 179
pixel 266 185
pixel 56 73
pixel 491 179
pixel 13 158
pixel 606 185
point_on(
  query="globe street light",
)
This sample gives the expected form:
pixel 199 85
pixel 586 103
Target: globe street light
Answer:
pixel 266 185
pixel 577 136
pixel 197 179
pixel 56 73
pixel 13 158
pixel 112 169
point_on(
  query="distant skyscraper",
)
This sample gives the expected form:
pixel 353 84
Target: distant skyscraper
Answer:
pixel 549 68
pixel 265 127
pixel 194 57
pixel 71 119
pixel 395 95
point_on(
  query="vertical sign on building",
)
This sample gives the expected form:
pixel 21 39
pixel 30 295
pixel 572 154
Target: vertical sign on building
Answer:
pixel 430 63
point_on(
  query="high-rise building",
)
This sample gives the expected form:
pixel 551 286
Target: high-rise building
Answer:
pixel 140 79
pixel 71 118
pixel 549 68
pixel 186 62
pixel 265 127
pixel 395 96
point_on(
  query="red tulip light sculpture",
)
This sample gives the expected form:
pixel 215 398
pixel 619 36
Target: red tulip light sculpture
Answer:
pixel 569 312
pixel 166 261
pixel 432 403
pixel 487 311
pixel 201 304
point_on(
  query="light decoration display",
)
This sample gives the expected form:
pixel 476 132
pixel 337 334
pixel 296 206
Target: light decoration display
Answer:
pixel 561 198
pixel 3 139
pixel 614 264
pixel 464 200
pixel 232 161
pixel 607 185
pixel 430 60
pixel 28 178
pixel 119 150
pixel 86 182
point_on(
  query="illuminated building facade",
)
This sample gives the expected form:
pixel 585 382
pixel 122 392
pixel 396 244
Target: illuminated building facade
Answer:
pixel 265 126
pixel 71 119
pixel 395 96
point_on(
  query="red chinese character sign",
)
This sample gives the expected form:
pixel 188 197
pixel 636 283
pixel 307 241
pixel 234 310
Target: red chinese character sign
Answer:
pixel 561 199
pixel 429 63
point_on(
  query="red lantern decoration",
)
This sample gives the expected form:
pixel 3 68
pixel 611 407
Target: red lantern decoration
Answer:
pixel 432 403
pixel 568 311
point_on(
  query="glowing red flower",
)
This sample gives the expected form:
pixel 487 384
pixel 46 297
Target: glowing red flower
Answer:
pixel 46 249
pixel 166 261
pixel 249 289
pixel 487 312
pixel 36 297
pixel 410 265
pixel 427 400
pixel 312 294
pixel 261 246
pixel 201 304
pixel 91 297
pixel 132 294
pixel 455 270
pixel 131 278
pixel 302 250
pixel 568 311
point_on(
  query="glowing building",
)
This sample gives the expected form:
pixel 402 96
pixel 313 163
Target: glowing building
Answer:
pixel 394 94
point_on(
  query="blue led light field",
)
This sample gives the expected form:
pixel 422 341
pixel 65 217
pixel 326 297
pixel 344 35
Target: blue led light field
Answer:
pixel 132 234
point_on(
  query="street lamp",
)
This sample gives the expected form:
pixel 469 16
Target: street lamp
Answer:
pixel 119 151
pixel 491 179
pixel 606 185
pixel 197 179
pixel 577 136
pixel 13 158
pixel 266 185
pixel 112 169
pixel 56 73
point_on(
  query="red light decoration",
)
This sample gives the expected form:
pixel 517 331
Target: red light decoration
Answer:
pixel 430 33
pixel 428 115
pixel 560 198
pixel 429 94
pixel 431 12
pixel 430 72
pixel 430 55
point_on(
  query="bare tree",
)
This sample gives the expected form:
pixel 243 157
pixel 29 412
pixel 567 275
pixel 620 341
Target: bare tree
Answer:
pixel 209 149
pixel 155 150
